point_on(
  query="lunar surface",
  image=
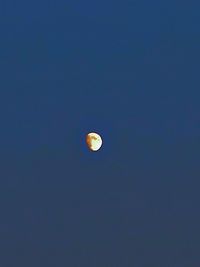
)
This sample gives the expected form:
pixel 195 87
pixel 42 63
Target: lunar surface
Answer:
pixel 94 141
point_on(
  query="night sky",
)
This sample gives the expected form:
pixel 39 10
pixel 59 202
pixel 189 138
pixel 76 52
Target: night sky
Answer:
pixel 128 70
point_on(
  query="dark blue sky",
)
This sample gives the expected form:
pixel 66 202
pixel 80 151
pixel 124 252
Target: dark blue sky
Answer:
pixel 129 70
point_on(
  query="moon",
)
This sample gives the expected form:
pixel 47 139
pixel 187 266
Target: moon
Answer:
pixel 94 141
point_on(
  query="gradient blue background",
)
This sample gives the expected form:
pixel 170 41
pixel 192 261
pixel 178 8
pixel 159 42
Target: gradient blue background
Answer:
pixel 129 70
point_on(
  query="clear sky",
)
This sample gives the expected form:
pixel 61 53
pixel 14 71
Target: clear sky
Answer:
pixel 130 71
